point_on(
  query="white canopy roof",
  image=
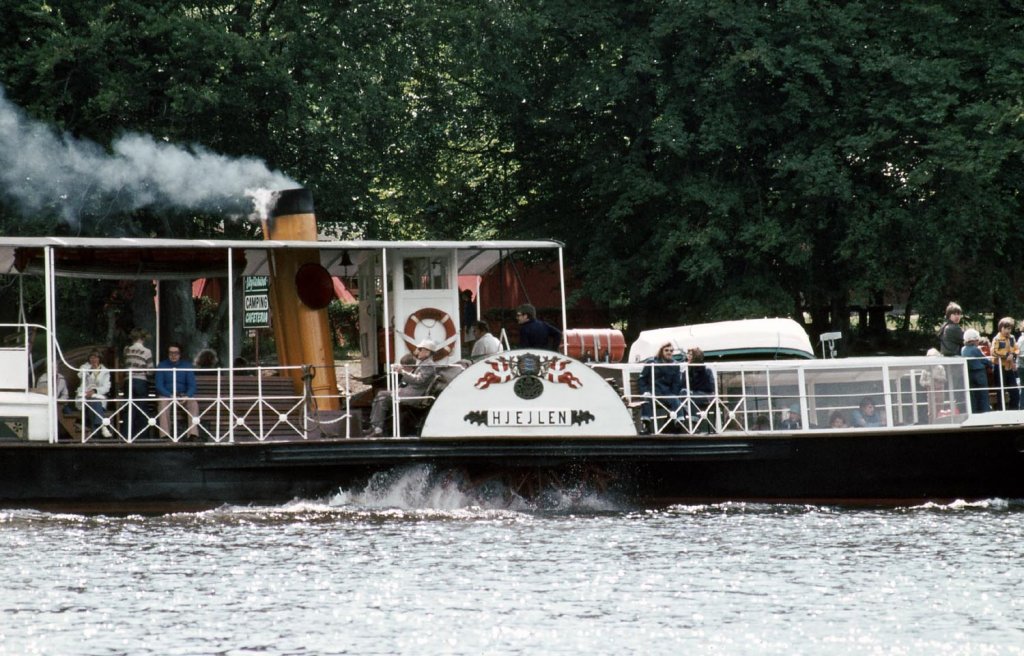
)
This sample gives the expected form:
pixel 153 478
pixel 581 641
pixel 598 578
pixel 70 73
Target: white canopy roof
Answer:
pixel 473 257
pixel 754 338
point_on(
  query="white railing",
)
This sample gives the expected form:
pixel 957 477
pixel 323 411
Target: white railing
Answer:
pixel 231 404
pixel 417 403
pixel 245 403
pixel 906 393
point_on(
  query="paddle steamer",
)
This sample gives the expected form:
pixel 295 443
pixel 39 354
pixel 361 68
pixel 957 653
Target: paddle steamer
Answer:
pixel 517 421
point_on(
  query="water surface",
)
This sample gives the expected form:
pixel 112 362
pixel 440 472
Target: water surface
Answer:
pixel 415 567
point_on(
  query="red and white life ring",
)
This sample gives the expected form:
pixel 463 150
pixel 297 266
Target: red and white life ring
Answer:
pixel 434 315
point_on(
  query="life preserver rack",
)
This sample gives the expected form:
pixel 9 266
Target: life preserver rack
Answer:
pixel 435 315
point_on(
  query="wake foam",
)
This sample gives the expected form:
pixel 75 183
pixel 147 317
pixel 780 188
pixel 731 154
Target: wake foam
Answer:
pixel 426 488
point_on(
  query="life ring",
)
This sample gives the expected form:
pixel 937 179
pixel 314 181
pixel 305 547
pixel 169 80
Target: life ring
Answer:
pixel 435 315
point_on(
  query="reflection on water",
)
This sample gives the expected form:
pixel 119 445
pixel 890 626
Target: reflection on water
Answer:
pixel 419 562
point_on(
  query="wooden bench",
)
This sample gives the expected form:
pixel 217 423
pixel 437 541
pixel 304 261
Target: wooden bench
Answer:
pixel 276 394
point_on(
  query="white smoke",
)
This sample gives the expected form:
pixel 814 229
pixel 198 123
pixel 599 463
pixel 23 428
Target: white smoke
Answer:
pixel 44 171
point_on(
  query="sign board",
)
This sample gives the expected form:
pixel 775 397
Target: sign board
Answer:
pixel 256 302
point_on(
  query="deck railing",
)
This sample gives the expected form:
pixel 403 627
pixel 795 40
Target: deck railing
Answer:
pixel 231 405
pixel 812 395
pixel 261 403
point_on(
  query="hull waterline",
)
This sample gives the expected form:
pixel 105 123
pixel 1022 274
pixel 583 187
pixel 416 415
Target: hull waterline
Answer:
pixel 860 469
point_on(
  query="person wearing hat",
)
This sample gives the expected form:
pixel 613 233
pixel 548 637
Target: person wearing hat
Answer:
pixel 417 379
pixel 534 333
pixel 978 368
pixel 792 420
pixel 933 379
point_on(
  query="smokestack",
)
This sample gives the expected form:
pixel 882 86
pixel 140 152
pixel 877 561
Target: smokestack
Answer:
pixel 297 302
pixel 291 202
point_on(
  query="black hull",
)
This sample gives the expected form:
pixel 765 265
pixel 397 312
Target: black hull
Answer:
pixel 848 468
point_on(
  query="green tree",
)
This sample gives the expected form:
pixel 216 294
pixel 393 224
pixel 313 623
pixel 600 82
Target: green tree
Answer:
pixel 701 160
pixel 711 160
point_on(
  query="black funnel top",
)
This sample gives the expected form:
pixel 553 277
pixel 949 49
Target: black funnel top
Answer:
pixel 293 201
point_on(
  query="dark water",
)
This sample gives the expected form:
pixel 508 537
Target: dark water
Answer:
pixel 414 567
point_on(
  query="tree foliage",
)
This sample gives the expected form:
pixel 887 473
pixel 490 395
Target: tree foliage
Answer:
pixel 701 160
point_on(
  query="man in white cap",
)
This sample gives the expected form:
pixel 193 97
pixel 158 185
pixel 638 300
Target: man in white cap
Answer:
pixel 417 379
pixel 978 368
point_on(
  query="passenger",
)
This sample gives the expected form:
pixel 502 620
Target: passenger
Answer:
pixel 933 379
pixel 413 274
pixel 242 367
pixel 207 359
pixel 62 389
pixel 867 415
pixel 1004 353
pixel 175 381
pixel 837 420
pixel 407 360
pixel 661 380
pixel 93 392
pixel 978 367
pixel 951 335
pixel 138 358
pixel 792 420
pixel 698 380
pixel 417 382
pixel 986 349
pixel 467 314
pixel 484 343
pixel 534 333
pixel 1020 378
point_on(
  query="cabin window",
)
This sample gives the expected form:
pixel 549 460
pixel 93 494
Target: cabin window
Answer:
pixel 425 272
pixel 840 391
pixel 922 392
pixel 762 398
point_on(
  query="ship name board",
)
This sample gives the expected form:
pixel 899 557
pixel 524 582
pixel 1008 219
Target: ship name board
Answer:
pixel 529 417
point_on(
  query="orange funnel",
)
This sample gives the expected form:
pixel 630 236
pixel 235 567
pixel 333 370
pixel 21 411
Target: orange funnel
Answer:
pixel 302 332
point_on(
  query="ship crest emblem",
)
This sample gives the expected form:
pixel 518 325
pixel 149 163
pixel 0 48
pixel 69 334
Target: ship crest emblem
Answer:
pixel 529 371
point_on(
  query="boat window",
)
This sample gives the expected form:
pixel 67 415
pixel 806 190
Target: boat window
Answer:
pixel 927 394
pixel 905 392
pixel 842 390
pixel 426 272
pixel 765 397
pixel 761 399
